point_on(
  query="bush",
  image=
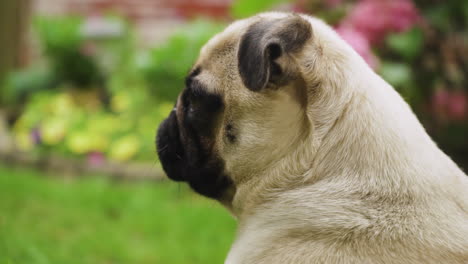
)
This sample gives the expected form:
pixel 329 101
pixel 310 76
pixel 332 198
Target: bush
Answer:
pixel 69 116
pixel 67 52
pixel 21 84
pixel 168 64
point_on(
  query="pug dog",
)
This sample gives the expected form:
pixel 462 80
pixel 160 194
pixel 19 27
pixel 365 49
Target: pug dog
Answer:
pixel 318 158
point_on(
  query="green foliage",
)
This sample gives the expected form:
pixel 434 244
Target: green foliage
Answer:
pixel 428 66
pixel 23 83
pixel 75 124
pixel 141 90
pixel 445 15
pixel 400 76
pixel 45 220
pixel 117 118
pixel 408 44
pixel 72 58
pixel 59 34
pixel 396 73
pixel 246 8
pixel 169 63
pixel 61 41
pixel 64 47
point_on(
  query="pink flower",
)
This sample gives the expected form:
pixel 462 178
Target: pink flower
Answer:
pixel 95 158
pixel 360 44
pixel 88 49
pixel 450 105
pixel 300 6
pixel 440 99
pixel 36 136
pixel 333 3
pixel 376 18
pixel 457 106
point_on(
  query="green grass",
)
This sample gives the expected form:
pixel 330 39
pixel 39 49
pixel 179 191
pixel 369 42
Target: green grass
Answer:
pixel 92 220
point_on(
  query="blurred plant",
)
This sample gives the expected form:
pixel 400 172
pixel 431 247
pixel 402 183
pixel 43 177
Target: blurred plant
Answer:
pixel 376 19
pixel 84 54
pixel 246 8
pixel 55 121
pixel 21 84
pixel 70 56
pixel 69 117
pixel 441 71
pixel 168 64
pixel 421 48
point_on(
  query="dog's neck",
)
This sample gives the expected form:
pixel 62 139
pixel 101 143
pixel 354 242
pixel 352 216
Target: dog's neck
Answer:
pixel 326 101
pixel 351 136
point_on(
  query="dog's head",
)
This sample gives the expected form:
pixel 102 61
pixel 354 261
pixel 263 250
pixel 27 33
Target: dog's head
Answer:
pixel 243 108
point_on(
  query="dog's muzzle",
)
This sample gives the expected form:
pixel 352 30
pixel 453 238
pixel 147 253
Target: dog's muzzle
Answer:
pixel 169 148
pixel 183 158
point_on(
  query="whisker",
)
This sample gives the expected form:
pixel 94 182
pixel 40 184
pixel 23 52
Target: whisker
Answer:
pixel 163 148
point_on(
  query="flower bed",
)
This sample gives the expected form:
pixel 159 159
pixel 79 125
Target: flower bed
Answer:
pixel 97 98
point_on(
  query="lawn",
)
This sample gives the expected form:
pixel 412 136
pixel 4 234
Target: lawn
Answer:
pixel 46 220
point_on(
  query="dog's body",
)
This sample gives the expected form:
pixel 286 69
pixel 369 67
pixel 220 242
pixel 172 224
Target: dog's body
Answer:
pixel 319 159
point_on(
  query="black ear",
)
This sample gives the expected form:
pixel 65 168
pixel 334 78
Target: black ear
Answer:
pixel 264 42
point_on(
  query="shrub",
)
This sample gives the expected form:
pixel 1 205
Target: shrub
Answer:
pixel 168 64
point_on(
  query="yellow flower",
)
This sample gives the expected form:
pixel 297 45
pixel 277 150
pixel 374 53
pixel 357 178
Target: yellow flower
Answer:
pixel 24 141
pixel 79 143
pixel 125 148
pixel 120 102
pixel 98 143
pixel 62 104
pixel 53 131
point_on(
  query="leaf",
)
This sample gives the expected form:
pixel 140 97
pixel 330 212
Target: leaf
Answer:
pixel 408 44
pixel 169 63
pixel 23 83
pixel 245 8
pixel 397 74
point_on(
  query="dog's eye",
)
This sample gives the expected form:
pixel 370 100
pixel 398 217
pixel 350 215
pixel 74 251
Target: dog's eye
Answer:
pixel 230 133
pixel 193 113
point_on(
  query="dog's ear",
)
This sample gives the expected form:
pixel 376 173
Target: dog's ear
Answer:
pixel 263 43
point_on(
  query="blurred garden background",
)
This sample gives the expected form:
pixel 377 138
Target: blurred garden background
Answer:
pixel 85 83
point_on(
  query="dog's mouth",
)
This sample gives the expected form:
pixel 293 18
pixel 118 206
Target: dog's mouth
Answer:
pixel 169 148
pixel 184 159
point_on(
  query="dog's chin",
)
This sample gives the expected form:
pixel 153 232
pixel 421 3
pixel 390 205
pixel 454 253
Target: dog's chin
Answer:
pixel 205 175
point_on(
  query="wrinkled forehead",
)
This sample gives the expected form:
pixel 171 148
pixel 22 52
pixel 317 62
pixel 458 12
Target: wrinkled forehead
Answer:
pixel 217 61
